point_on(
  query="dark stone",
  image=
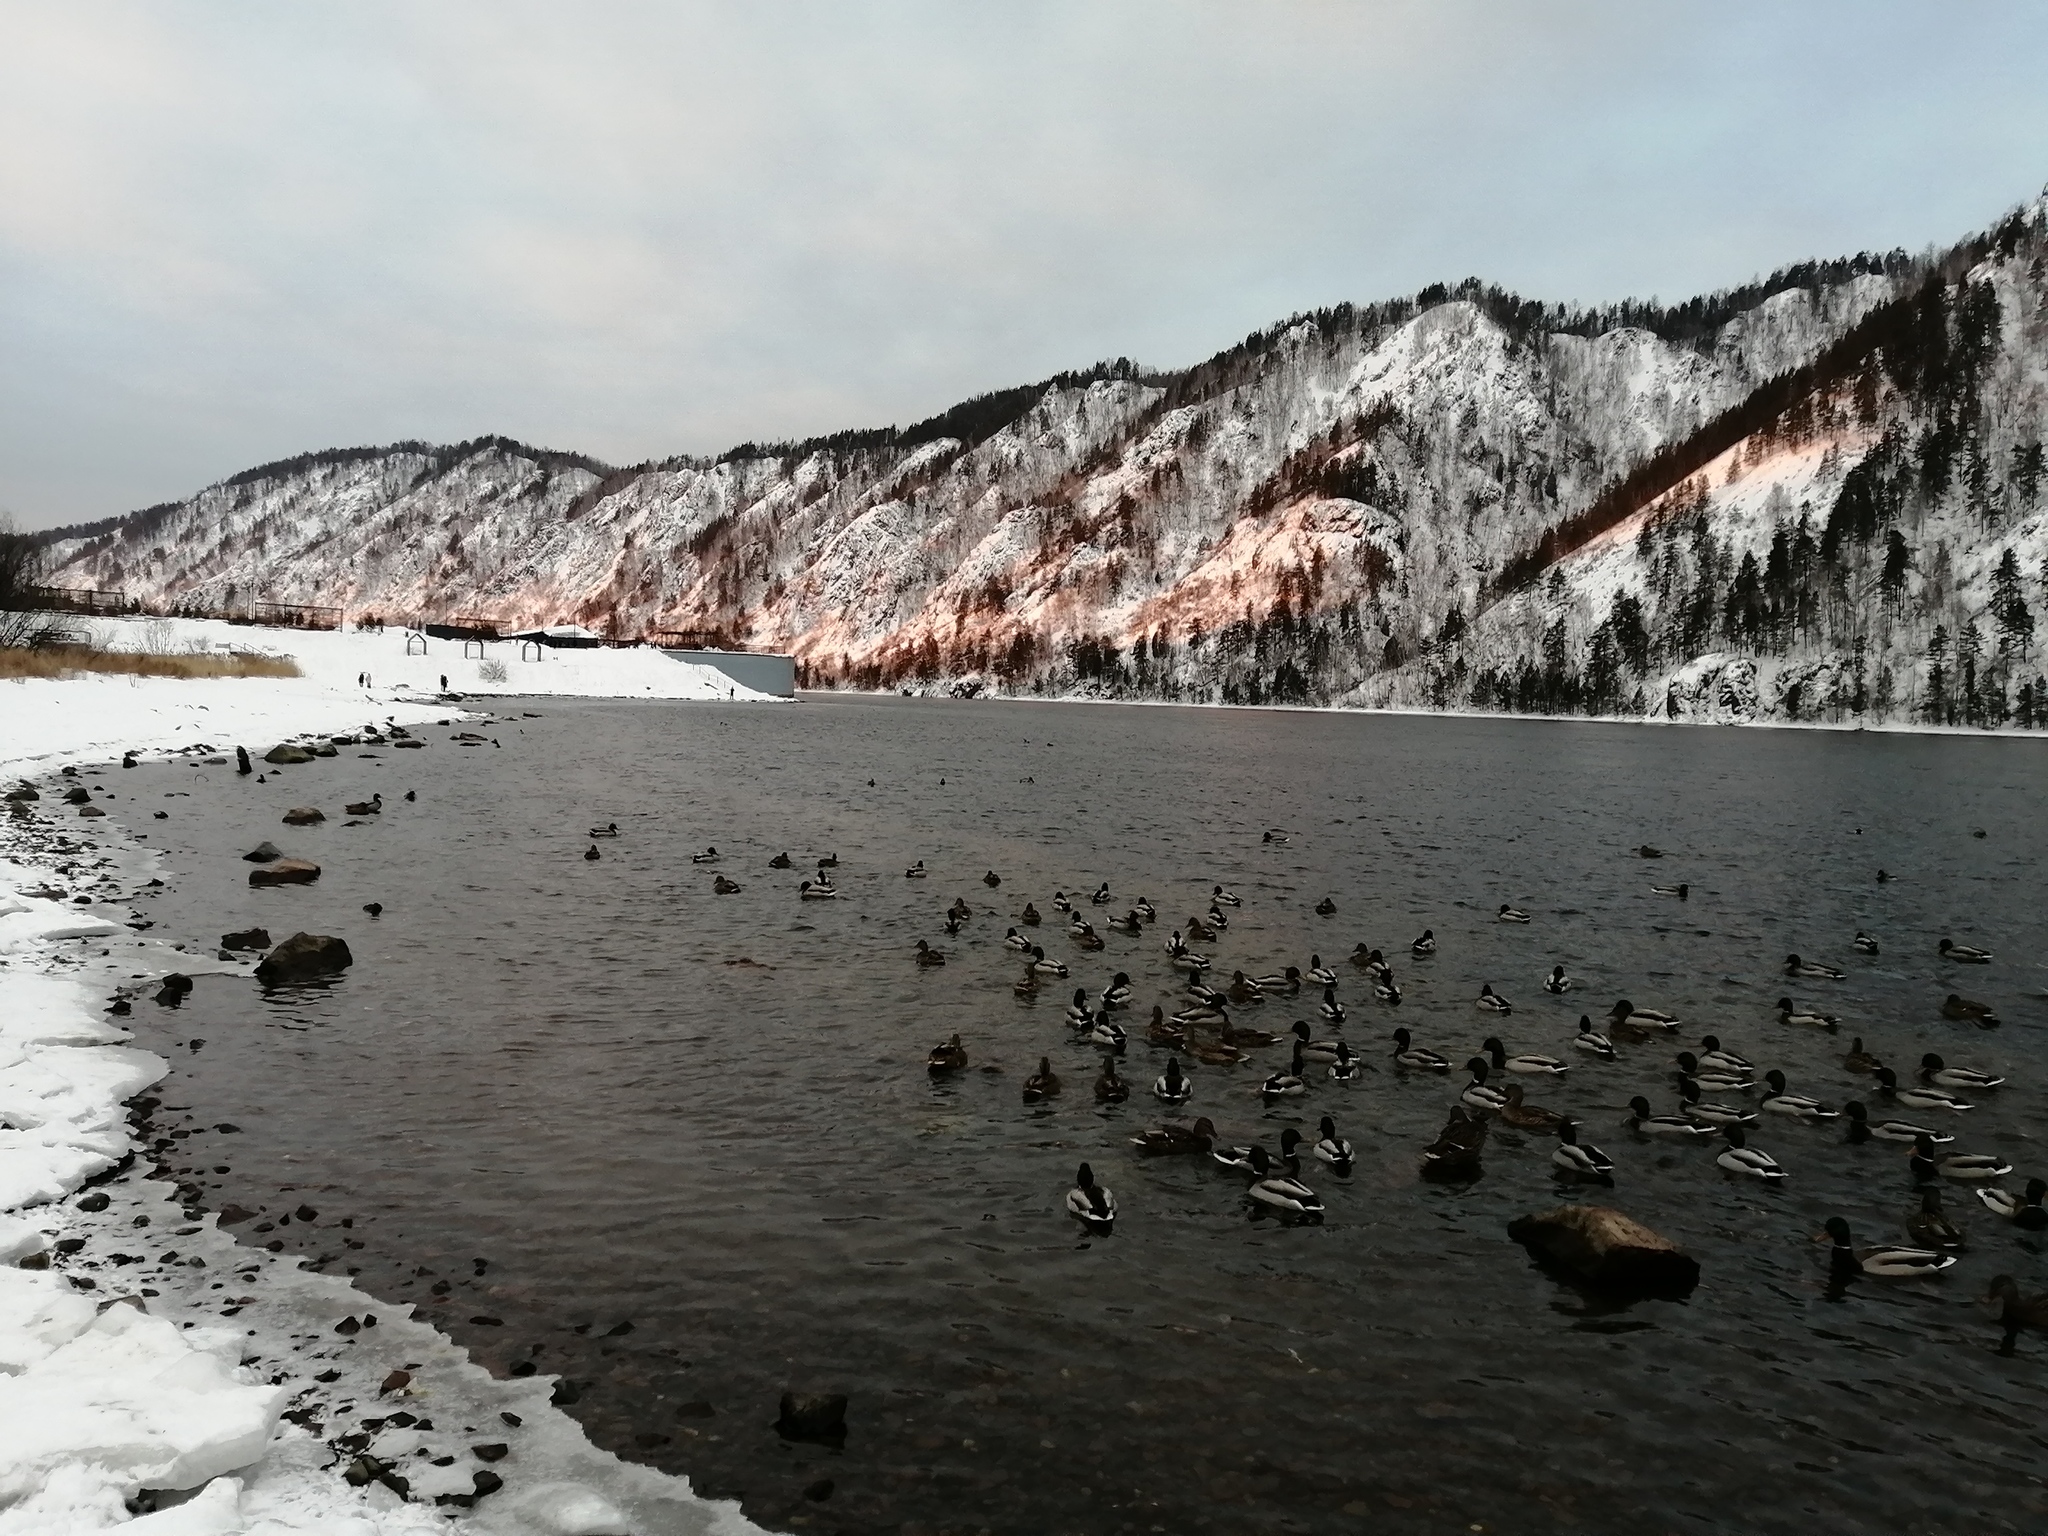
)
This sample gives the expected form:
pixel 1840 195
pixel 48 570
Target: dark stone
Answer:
pixel 69 1245
pixel 90 810
pixel 304 1212
pixel 264 853
pixel 618 1330
pixel 512 1418
pixel 24 794
pixel 286 872
pixel 1607 1250
pixel 695 1410
pixel 284 753
pixel 348 1325
pixel 819 1416
pixel 177 982
pixel 565 1393
pixel 79 796
pixel 304 816
pixel 484 1321
pixel 231 1214
pixel 487 1483
pixel 819 1491
pixel 248 938
pixel 525 1368
pixel 496 1451
pixel 96 1201
pixel 304 957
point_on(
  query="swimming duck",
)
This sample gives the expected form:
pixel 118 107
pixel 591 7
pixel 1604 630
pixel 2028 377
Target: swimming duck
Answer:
pixel 1626 1015
pixel 926 955
pixel 1012 939
pixel 1647 852
pixel 1526 1116
pixel 1288 980
pixel 1557 983
pixel 1346 1067
pixel 1426 945
pixel 1079 1014
pixel 1681 890
pixel 1794 966
pixel 1480 1094
pixel 991 879
pixel 1118 993
pixel 1107 1035
pixel 1145 910
pixel 1326 908
pixel 1109 1088
pixel 1129 923
pixel 1061 902
pixel 1963 1167
pixel 1330 1008
pixel 1862 1128
pixel 1918 1097
pixel 1491 1001
pixel 1527 1066
pixel 1739 1157
pixel 1237 1035
pixel 1214 1053
pixel 1281 1191
pixel 1207 995
pixel 1027 985
pixel 1101 898
pixel 1798 1105
pixel 915 872
pixel 1930 1225
pixel 1277 838
pixel 1387 990
pixel 1588 1039
pixel 811 890
pixel 1884 876
pixel 829 861
pixel 1160 1032
pixel 1510 914
pixel 1858 1059
pixel 609 829
pixel 592 853
pixel 720 886
pixel 1864 943
pixel 953 924
pixel 1043 966
pixel 1455 1152
pixel 2016 1311
pixel 950 1057
pixel 1415 1057
pixel 1314 1050
pixel 1885 1262
pixel 1087 938
pixel 1236 1159
pixel 1172 1140
pixel 1201 1016
pixel 708 856
pixel 1181 955
pixel 1288 1084
pixel 1198 931
pixel 1217 921
pixel 1962 1008
pixel 1244 990
pixel 1963 954
pixel 1318 972
pixel 1029 916
pixel 1643 1123
pixel 1581 1162
pixel 960 909
pixel 1219 897
pixel 1714 1057
pixel 2027 1212
pixel 1934 1070
pixel 1172 1085
pixel 1806 1018
pixel 1710 1079
pixel 1091 1204
pixel 1042 1084
pixel 1720 1116
pixel 1332 1148
pixel 782 861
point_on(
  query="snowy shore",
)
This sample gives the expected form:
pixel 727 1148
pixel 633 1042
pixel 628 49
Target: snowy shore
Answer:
pixel 156 1374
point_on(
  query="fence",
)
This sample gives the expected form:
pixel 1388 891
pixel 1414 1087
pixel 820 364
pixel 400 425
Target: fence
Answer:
pixel 295 615
pixel 75 600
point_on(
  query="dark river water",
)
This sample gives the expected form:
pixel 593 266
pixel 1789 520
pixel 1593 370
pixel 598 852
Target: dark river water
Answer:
pixel 709 1118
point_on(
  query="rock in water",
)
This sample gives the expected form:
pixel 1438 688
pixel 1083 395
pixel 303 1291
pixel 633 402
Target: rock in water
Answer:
pixel 1608 1250
pixel 248 938
pixel 304 957
pixel 303 816
pixel 264 853
pixel 286 872
pixel 813 1416
pixel 283 752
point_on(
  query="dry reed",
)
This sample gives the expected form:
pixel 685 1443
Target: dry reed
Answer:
pixel 70 661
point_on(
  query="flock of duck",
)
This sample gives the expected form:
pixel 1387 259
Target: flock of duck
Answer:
pixel 1720 1096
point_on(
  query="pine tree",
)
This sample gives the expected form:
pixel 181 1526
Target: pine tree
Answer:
pixel 1897 561
pixel 2009 608
pixel 1937 675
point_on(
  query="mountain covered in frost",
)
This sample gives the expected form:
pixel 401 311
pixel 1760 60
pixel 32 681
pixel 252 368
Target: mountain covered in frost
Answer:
pixel 1819 496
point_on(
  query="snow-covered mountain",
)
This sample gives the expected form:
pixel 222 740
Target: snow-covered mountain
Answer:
pixel 1787 500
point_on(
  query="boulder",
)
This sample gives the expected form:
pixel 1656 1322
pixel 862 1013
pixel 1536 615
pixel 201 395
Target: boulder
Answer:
pixel 264 853
pixel 23 794
pixel 817 1416
pixel 285 753
pixel 304 957
pixel 304 816
pixel 248 938
pixel 1607 1250
pixel 90 810
pixel 79 796
pixel 286 872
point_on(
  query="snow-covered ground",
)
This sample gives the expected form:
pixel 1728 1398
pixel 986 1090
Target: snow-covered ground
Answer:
pixel 155 1375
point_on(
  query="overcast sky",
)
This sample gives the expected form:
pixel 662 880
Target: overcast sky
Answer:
pixel 233 232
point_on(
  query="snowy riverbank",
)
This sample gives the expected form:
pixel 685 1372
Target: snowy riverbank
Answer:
pixel 156 1374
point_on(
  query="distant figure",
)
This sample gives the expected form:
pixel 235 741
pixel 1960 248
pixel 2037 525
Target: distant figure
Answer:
pixel 242 761
pixel 444 682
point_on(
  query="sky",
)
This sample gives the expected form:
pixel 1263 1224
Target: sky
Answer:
pixel 232 233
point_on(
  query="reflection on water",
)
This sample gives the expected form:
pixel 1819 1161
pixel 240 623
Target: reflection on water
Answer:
pixel 708 1116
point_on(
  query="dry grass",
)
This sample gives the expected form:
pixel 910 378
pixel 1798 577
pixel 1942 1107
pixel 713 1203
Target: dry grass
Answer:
pixel 70 661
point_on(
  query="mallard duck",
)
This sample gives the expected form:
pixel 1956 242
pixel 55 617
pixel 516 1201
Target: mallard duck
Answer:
pixel 720 886
pixel 1087 938
pixel 1197 931
pixel 1236 1159
pixel 1172 1085
pixel 1934 1070
pixel 1681 890
pixel 829 861
pixel 1162 1031
pixel 1930 1225
pixel 1884 876
pixel 1884 1262
pixel 1647 852
pixel 1862 1128
pixel 1557 983
pixel 1346 1067
pixel 591 853
pixel 1714 1057
pixel 1079 1015
pixel 1455 1152
pixel 1480 1094
pixel 1217 920
pixel 1281 1191
pixel 1243 990
pixel 1219 897
pixel 2016 1311
pixel 1326 908
pixel 1798 1105
pixel 1118 993
pixel 1172 1140
pixel 1029 916
pixel 1062 902
pixel 1918 1097
pixel 1288 980
pixel 1318 973
pixel 1043 966
pixel 1590 1040
pixel 708 856
pixel 1864 943
pixel 1180 955
pixel 1291 1084
pixel 1490 1001
pixel 782 861
pixel 1859 1060
pixel 1794 966
pixel 2027 1212
pixel 1712 1080
pixel 1145 909
pixel 811 890
pixel 953 924
pixel 1643 1123
pixel 1963 1009
pixel 1720 1116
pixel 1806 1018
pixel 1330 1147
pixel 1042 1084
pixel 1101 898
pixel 1415 1057
pixel 1527 1066
pixel 1027 986
pixel 1949 949
pixel 991 879
pixel 1387 990
pixel 1237 1034
pixel 1426 945
pixel 950 1057
pixel 1330 1008
pixel 1580 1162
pixel 960 909
pixel 609 829
pixel 1214 1053
pixel 1277 838
pixel 1090 1203
pixel 1130 922
pixel 1626 1015
pixel 915 872
pixel 1109 1088
pixel 1963 1167
pixel 926 955
pixel 1525 1116
pixel 1738 1157
pixel 1106 1035
pixel 1012 939
pixel 1314 1050
pixel 1510 914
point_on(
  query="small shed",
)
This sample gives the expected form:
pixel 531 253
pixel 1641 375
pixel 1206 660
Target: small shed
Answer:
pixel 561 637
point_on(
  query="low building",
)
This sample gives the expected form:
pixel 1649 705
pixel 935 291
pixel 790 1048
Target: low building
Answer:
pixel 762 671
